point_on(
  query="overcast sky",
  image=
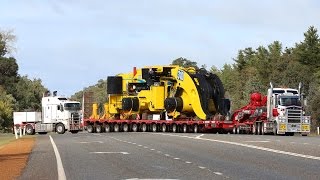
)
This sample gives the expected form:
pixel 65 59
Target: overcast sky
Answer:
pixel 71 44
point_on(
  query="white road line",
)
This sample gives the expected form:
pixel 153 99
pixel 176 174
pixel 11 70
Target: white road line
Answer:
pixel 159 152
pixel 176 158
pixel 139 145
pixel 292 142
pixel 61 173
pixel 305 143
pixel 200 136
pixel 256 141
pixel 250 146
pixel 218 173
pixel 188 162
pixel 152 149
pixel 167 155
pixel 201 167
pixel 145 147
pixel 109 153
pixel 134 143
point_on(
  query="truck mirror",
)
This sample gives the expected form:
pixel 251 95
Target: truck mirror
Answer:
pixel 61 107
pixel 58 107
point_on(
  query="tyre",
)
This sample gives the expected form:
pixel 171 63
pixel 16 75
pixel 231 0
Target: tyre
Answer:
pixel 29 130
pixel 275 129
pixel 195 128
pixel 238 130
pixel 107 128
pixel 259 128
pixel 164 127
pixel 174 128
pixel 42 133
pixel 60 129
pixel 98 128
pixel 234 130
pixel 74 131
pixel 144 128
pixel 262 128
pixel 90 129
pixel 254 129
pixel 116 128
pixel 184 128
pixel 154 128
pixel 125 127
pixel 134 127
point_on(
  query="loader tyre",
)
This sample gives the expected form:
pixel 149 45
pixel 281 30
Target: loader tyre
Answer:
pixel 125 127
pixel 234 130
pixel 174 128
pixel 184 128
pixel 154 127
pixel 29 130
pixel 164 127
pixel 60 129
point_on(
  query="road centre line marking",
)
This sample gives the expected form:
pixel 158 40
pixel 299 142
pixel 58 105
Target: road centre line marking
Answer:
pixel 109 153
pixel 256 141
pixel 176 158
pixel 249 146
pixel 218 173
pixel 188 162
pixel 201 167
pixel 61 173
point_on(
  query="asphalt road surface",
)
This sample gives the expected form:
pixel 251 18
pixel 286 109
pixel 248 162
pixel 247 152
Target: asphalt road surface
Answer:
pixel 173 156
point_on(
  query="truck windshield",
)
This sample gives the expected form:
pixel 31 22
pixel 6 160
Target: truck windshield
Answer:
pixel 289 101
pixel 72 106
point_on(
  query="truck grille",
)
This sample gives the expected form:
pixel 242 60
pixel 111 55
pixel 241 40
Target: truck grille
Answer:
pixel 294 115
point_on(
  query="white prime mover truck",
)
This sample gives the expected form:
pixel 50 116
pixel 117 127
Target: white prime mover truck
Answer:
pixel 58 115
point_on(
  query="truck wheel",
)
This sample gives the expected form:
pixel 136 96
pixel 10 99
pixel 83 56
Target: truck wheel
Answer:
pixel 60 129
pixel 164 127
pixel 29 130
pixel 98 128
pixel 262 129
pixel 42 133
pixel 254 129
pixel 174 128
pixel 144 128
pixel 74 131
pixel 134 127
pixel 258 128
pixel 184 128
pixel 234 130
pixel 195 128
pixel 154 128
pixel 238 130
pixel 90 129
pixel 116 128
pixel 107 128
pixel 125 128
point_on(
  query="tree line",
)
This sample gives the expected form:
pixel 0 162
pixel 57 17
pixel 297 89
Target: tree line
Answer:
pixel 255 67
pixel 17 93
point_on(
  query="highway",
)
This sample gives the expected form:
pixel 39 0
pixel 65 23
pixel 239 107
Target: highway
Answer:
pixel 174 156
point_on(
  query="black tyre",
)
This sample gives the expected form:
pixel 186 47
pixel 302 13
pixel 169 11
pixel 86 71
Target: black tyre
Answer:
pixel 30 130
pixel 174 128
pixel 98 128
pixel 90 129
pixel 144 128
pixel 184 128
pixel 74 131
pixel 195 128
pixel 42 133
pixel 125 128
pixel 154 128
pixel 164 127
pixel 234 130
pixel 60 129
pixel 116 128
pixel 107 128
pixel 134 127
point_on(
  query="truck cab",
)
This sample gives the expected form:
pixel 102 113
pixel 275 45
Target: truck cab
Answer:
pixel 285 108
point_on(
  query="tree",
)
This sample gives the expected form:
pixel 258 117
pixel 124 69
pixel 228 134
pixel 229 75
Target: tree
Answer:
pixel 185 63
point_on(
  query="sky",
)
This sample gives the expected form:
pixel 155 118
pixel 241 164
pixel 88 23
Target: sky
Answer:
pixel 71 44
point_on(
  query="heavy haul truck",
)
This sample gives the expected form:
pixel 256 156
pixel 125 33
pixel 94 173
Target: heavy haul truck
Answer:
pixel 176 99
pixel 58 115
pixel 281 111
pixel 162 98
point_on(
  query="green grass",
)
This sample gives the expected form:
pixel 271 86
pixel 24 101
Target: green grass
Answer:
pixel 5 138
